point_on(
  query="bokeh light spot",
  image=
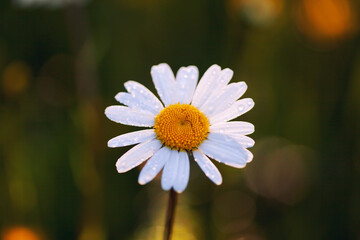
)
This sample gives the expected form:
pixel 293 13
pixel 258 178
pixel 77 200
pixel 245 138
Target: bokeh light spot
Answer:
pixel 256 12
pixel 326 20
pixel 20 233
pixel 16 78
pixel 277 160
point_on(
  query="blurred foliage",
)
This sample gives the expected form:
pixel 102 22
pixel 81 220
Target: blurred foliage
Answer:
pixel 62 62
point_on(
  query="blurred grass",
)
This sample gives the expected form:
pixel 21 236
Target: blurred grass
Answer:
pixel 60 66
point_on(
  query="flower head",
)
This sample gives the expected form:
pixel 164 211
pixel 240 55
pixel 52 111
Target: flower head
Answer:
pixel 192 120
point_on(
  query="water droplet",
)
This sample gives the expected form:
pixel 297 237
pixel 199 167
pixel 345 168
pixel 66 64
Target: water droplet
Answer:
pixel 241 108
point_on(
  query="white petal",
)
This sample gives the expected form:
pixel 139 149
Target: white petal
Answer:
pixel 126 99
pixel 164 82
pixel 137 155
pixel 132 138
pixel 207 167
pixel 183 172
pixel 154 165
pixel 141 98
pixel 237 127
pixel 130 101
pixel 224 98
pixel 250 156
pixel 220 82
pixel 244 141
pixel 129 116
pixel 133 102
pixel 237 109
pixel 205 85
pixel 225 150
pixel 186 79
pixel 170 170
pixel 217 83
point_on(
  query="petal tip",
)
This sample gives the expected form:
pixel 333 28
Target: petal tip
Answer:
pixel 250 156
pixel 179 190
pixel 141 181
pixel 127 83
pixel 108 111
pixel 218 182
pixel 120 166
pixel 119 96
pixel 165 188
pixel 215 65
pixel 251 102
pixel 243 85
pixel 160 67
pixel 119 169
pixel 110 144
pixel 228 70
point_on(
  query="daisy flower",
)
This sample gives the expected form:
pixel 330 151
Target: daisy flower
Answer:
pixel 190 122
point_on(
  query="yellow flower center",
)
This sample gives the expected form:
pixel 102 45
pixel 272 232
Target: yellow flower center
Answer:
pixel 181 126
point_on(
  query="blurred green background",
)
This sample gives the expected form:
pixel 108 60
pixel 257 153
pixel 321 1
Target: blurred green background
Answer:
pixel 63 61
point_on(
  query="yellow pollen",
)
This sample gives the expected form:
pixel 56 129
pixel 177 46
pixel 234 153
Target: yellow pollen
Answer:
pixel 181 126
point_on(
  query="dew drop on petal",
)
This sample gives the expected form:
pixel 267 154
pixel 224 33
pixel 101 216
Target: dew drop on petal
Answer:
pixel 241 108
